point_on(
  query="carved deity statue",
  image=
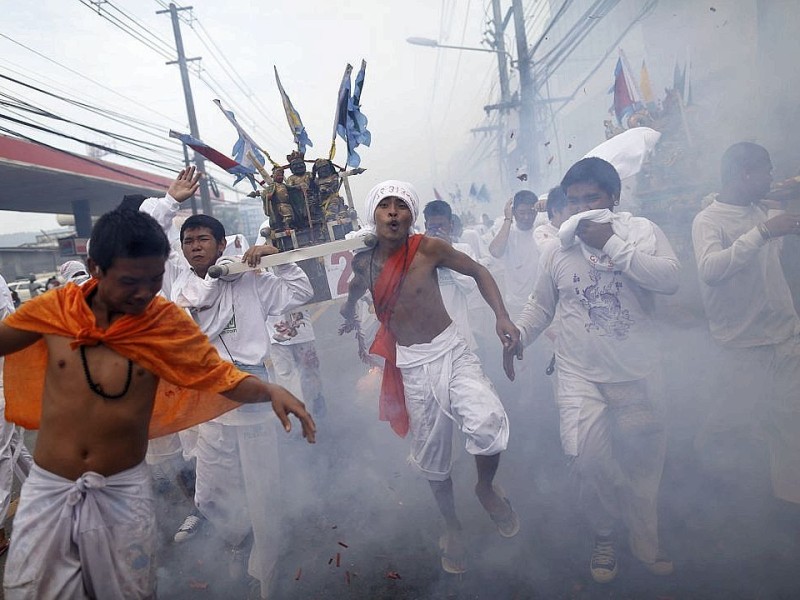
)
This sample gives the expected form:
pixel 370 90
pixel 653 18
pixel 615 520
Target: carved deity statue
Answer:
pixel 326 183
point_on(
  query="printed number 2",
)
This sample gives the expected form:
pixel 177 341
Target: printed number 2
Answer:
pixel 344 278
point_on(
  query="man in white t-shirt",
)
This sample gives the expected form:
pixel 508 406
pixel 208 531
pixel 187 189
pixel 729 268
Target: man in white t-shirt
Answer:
pixel 601 279
pixel 293 351
pixel 555 206
pixel 752 318
pixel 237 487
pixel 454 286
pixel 515 247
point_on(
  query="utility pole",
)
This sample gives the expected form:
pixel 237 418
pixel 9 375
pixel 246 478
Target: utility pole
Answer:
pixel 505 94
pixel 527 117
pixel 500 46
pixel 205 197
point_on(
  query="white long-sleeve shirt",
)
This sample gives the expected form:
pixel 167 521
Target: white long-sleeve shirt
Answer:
pixel 520 261
pixel 245 301
pixel 747 300
pixel 606 329
pixel 456 289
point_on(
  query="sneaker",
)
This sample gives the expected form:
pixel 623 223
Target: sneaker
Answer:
pixel 603 564
pixel 191 525
pixel 661 566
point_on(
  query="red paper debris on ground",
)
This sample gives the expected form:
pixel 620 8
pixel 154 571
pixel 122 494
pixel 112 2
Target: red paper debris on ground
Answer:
pixel 347 577
pixel 299 572
pixel 393 575
pixel 343 545
pixel 338 559
pixel 198 585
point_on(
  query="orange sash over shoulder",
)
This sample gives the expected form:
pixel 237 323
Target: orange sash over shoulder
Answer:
pixel 392 405
pixel 164 340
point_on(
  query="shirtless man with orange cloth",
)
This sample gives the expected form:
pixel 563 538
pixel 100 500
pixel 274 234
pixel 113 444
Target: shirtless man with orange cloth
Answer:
pixel 431 378
pixel 96 369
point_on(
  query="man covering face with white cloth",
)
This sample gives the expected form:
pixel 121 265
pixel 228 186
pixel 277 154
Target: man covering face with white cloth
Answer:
pixel 601 280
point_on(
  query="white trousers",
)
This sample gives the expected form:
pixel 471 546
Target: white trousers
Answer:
pixel 15 460
pixel 237 488
pixel 89 538
pixel 444 385
pixel 297 369
pixel 621 446
pixel 757 394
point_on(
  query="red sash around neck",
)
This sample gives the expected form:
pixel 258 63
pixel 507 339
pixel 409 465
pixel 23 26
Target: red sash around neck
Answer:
pixel 392 405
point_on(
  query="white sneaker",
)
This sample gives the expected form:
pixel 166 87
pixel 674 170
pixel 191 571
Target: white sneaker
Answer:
pixel 190 527
pixel 661 566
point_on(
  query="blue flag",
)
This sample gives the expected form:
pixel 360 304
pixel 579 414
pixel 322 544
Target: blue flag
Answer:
pixel 357 132
pixel 244 144
pixel 342 106
pixel 295 123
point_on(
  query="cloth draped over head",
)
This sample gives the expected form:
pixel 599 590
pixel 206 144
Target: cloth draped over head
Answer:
pixel 74 271
pixel 627 151
pixel 635 230
pixel 163 339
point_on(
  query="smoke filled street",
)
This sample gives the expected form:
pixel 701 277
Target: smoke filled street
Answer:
pixel 729 538
pixel 365 526
pixel 520 277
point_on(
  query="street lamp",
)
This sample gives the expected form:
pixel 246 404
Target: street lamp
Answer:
pixel 421 41
pixel 506 101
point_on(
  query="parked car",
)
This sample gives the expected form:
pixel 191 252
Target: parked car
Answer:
pixel 21 288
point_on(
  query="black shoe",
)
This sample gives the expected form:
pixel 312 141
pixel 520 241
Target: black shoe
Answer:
pixel 603 564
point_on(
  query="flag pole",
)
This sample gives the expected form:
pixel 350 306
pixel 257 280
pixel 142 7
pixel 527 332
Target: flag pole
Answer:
pixel 627 67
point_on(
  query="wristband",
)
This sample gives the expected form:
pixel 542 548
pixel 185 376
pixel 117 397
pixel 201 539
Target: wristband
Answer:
pixel 507 219
pixel 764 231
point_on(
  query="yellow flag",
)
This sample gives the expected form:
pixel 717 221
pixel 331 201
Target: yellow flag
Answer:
pixel 644 83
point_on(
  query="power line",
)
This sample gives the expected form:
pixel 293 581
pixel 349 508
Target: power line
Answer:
pixel 233 75
pixel 202 74
pixel 82 76
pixel 110 115
pixel 642 14
pixel 28 108
pixel 104 165
pixel 114 115
pixel 146 38
pixel 108 149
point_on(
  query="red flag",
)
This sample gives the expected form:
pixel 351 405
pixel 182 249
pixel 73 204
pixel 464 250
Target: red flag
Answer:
pixel 623 103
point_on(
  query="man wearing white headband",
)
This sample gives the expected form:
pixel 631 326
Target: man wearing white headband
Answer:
pixel 431 378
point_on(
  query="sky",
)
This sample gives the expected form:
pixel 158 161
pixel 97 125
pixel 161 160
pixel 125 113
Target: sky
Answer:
pixel 421 102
